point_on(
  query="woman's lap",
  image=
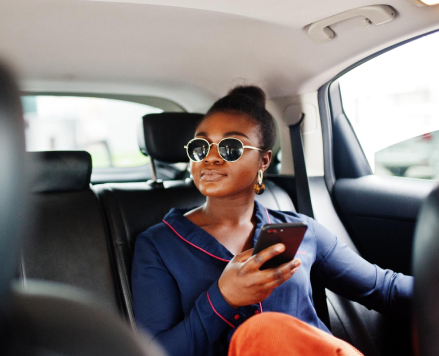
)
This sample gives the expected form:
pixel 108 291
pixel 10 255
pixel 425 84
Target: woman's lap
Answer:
pixel 281 334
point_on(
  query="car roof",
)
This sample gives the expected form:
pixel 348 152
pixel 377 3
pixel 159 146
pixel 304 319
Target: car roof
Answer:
pixel 191 51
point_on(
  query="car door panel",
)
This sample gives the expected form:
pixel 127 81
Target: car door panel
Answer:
pixel 380 213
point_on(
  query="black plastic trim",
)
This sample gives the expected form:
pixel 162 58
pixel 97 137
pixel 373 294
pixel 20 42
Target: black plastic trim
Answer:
pixel 382 197
pixel 325 117
pixel 349 158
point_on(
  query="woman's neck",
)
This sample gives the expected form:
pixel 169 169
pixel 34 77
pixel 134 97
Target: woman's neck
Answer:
pixel 228 211
pixel 229 220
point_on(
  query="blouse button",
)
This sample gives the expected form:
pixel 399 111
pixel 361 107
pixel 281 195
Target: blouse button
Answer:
pixel 256 311
pixel 236 317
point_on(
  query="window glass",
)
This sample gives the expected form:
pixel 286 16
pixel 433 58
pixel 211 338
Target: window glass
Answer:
pixel 392 102
pixel 106 128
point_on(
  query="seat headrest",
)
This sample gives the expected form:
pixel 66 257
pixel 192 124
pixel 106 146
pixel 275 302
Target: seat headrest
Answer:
pixel 60 171
pixel 166 134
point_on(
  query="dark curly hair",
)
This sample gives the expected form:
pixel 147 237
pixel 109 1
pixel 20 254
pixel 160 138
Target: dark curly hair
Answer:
pixel 249 101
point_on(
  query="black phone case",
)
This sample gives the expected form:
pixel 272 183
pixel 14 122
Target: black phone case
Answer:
pixel 290 234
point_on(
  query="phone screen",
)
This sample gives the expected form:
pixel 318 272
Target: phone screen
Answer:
pixel 290 234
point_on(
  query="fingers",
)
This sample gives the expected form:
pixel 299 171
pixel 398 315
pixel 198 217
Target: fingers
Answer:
pixel 243 256
pixel 278 276
pixel 273 274
pixel 256 261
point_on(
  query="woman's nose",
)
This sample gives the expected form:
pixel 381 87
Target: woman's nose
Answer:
pixel 213 157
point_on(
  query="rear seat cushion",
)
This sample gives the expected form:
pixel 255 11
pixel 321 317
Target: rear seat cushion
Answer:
pixel 133 207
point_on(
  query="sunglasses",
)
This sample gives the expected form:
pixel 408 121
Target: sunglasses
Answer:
pixel 230 149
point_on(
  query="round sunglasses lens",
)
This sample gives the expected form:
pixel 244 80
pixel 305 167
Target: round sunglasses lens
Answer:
pixel 230 149
pixel 197 150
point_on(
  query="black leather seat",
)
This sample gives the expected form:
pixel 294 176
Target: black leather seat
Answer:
pixel 69 242
pixel 133 207
pixel 426 272
pixel 40 318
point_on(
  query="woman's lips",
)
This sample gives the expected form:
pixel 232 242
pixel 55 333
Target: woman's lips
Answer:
pixel 211 176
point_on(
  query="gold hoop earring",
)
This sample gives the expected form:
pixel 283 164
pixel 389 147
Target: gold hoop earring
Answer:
pixel 259 186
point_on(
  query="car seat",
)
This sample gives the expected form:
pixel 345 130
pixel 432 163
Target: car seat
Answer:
pixel 40 318
pixel 425 326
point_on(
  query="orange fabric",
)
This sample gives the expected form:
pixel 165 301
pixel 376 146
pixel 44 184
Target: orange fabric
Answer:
pixel 281 334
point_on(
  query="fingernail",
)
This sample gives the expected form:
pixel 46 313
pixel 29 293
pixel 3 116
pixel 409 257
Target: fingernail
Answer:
pixel 295 264
pixel 280 248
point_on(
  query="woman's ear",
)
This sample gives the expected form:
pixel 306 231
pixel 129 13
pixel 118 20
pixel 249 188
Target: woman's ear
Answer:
pixel 265 160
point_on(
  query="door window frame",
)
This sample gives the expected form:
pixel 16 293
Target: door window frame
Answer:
pixel 330 107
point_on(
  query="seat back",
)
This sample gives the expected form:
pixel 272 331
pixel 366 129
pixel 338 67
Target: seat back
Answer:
pixel 69 240
pixel 47 319
pixel 426 271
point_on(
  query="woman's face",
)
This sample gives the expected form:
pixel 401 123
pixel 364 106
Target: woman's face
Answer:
pixel 215 177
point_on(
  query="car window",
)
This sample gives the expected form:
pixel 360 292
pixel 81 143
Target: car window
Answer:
pixel 392 102
pixel 106 128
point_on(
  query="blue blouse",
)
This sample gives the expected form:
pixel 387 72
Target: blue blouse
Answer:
pixel 177 265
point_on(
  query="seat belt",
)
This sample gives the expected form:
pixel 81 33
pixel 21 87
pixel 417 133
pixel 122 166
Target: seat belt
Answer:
pixel 303 195
pixel 304 206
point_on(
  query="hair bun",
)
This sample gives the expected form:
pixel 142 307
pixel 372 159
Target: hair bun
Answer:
pixel 251 91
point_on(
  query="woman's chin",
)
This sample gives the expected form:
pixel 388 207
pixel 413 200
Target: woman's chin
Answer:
pixel 212 189
pixel 219 190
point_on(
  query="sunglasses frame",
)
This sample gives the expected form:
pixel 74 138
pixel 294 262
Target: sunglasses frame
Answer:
pixel 217 146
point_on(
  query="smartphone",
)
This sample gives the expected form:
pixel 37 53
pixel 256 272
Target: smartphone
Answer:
pixel 290 234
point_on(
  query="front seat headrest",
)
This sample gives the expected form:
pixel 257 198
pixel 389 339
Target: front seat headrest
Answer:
pixel 60 171
pixel 166 134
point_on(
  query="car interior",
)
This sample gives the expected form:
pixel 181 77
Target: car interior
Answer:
pixel 72 206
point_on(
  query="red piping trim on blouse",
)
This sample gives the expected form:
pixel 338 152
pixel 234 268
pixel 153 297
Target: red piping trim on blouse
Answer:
pixel 190 243
pixel 211 305
pixel 268 216
pixel 269 221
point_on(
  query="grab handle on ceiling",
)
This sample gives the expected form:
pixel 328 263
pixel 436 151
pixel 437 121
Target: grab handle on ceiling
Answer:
pixel 374 15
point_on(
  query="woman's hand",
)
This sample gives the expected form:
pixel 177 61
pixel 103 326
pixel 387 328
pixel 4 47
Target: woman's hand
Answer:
pixel 242 283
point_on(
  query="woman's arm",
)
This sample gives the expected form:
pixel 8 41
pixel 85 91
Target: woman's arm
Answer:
pixel 157 307
pixel 349 275
pixel 157 299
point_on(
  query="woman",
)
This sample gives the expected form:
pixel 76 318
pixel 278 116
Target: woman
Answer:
pixel 194 277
